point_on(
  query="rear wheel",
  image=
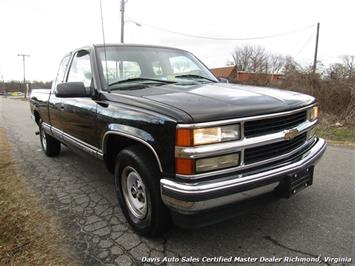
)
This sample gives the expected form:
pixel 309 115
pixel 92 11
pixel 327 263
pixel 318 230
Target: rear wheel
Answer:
pixel 137 179
pixel 50 146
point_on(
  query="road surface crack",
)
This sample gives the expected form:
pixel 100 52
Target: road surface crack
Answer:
pixel 275 242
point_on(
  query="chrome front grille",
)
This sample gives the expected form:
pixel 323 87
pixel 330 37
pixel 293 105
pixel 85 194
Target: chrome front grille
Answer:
pixel 265 152
pixel 265 140
pixel 275 124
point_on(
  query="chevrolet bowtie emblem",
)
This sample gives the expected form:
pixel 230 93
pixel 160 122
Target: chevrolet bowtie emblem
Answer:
pixel 291 134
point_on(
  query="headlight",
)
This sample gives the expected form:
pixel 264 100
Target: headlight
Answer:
pixel 313 113
pixel 189 137
pixel 215 163
pixel 216 134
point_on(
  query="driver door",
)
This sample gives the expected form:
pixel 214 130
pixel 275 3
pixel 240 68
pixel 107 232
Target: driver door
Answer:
pixel 78 116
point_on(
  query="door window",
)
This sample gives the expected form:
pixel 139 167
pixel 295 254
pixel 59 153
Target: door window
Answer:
pixel 80 69
pixel 61 71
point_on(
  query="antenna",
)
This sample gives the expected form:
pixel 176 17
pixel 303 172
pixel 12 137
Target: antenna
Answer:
pixel 103 37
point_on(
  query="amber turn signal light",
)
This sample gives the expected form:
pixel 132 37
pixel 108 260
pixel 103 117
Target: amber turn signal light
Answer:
pixel 184 166
pixel 184 137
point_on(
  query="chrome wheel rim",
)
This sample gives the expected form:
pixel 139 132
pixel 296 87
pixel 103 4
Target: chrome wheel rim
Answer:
pixel 43 139
pixel 134 192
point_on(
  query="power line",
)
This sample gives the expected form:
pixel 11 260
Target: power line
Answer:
pixel 226 38
pixel 304 45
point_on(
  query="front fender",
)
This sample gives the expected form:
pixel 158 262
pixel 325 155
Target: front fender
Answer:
pixel 136 134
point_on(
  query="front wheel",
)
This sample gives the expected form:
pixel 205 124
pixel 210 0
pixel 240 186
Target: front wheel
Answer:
pixel 138 191
pixel 50 146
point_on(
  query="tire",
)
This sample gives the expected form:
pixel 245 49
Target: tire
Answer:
pixel 50 146
pixel 137 183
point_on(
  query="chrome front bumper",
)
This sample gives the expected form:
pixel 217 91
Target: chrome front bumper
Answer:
pixel 189 198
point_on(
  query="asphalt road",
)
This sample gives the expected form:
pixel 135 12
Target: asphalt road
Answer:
pixel 319 221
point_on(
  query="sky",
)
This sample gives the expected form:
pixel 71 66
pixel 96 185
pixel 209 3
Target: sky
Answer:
pixel 48 29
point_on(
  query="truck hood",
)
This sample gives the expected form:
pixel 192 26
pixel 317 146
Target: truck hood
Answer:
pixel 218 101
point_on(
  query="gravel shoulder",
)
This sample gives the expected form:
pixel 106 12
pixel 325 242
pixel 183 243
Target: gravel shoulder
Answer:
pixel 29 233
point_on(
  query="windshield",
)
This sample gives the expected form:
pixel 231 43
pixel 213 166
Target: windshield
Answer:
pixel 127 64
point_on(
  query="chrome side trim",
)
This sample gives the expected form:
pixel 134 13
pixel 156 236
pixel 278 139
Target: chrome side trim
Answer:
pixel 100 155
pixel 46 128
pixel 62 136
pixel 91 149
pixel 80 144
pixel 57 133
pixel 134 138
pixel 242 119
pixel 191 197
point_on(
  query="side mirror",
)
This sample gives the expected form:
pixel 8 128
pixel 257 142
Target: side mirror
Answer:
pixel 72 89
pixel 223 80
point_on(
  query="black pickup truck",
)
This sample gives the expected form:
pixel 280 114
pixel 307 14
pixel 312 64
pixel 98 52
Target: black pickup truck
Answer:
pixel 179 143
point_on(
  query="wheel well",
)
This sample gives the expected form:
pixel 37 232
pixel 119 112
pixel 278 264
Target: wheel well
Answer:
pixel 116 143
pixel 37 117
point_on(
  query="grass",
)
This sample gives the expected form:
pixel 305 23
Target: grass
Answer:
pixel 342 135
pixel 28 232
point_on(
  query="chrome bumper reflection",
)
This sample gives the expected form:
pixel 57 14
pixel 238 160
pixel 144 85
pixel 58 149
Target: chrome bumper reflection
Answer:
pixel 187 198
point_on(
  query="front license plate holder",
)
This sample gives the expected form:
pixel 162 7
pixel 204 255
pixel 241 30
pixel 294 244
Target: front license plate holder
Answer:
pixel 295 183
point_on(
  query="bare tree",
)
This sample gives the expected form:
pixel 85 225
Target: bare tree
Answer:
pixel 348 62
pixel 277 63
pixel 343 70
pixel 337 71
pixel 256 59
pixel 241 57
pixel 290 65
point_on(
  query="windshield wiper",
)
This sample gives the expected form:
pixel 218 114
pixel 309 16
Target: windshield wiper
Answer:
pixel 140 79
pixel 194 77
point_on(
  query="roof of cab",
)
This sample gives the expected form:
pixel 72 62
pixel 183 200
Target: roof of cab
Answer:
pixel 136 45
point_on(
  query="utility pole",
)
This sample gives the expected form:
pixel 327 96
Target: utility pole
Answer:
pixel 24 72
pixel 3 84
pixel 122 6
pixel 316 50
